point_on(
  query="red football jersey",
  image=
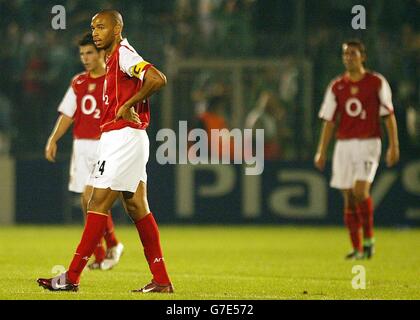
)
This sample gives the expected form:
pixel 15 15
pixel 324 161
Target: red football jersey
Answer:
pixel 357 106
pixel 120 85
pixel 83 103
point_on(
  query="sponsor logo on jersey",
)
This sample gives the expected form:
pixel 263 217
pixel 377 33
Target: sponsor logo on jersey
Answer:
pixel 91 87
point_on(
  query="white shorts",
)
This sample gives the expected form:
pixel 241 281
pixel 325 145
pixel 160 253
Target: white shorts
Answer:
pixel 122 159
pixel 355 160
pixel 83 159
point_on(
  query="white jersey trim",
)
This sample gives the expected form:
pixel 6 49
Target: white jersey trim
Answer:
pixel 128 57
pixel 329 105
pixel 68 105
pixel 385 97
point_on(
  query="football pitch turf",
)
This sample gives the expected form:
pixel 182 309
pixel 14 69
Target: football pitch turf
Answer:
pixel 215 262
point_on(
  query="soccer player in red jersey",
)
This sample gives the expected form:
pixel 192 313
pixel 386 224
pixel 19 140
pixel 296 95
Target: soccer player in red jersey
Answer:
pixel 81 106
pixel 355 103
pixel 123 154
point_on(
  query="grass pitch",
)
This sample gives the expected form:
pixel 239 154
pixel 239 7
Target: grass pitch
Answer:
pixel 214 262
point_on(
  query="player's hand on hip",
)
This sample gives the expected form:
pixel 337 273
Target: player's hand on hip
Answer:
pixel 51 151
pixel 128 114
pixel 319 161
pixel 392 156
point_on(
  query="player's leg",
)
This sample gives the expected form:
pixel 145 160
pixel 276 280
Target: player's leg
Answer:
pixel 353 224
pixel 369 152
pixel 100 202
pixel 365 211
pixel 342 179
pixel 138 209
pixel 110 236
pixel 99 252
pixel 115 248
pixel 97 214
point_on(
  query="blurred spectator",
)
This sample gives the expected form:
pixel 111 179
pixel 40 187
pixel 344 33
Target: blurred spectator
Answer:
pixel 269 115
pixel 236 37
pixel 32 112
pixel 36 58
pixel 205 87
pixel 215 118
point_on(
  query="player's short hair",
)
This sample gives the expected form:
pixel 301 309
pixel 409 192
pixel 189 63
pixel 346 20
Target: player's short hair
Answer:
pixel 358 44
pixel 86 39
pixel 115 15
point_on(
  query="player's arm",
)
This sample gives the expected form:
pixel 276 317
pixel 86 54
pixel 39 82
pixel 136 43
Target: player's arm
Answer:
pixel 327 113
pixel 62 124
pixel 324 141
pixel 67 108
pixel 393 152
pixel 153 81
pixel 387 111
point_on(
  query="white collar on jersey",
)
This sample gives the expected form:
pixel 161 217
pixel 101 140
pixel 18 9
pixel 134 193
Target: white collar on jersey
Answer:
pixel 124 42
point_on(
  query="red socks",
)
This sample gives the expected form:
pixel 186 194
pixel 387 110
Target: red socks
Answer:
pixel 149 236
pixel 92 234
pixel 354 224
pixel 99 252
pixel 96 223
pixel 366 212
pixel 363 217
pixel 110 238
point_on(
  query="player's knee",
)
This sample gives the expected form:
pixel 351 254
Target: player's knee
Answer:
pixel 95 204
pixel 136 210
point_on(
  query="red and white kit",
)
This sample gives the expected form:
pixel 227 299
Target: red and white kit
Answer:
pixel 356 107
pixel 83 103
pixel 124 145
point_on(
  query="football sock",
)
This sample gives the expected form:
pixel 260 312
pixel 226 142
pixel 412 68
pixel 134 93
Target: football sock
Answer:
pixel 99 252
pixel 366 211
pixel 110 238
pixel 92 234
pixel 354 226
pixel 149 236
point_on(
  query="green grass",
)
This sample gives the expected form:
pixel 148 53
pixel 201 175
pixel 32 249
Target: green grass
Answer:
pixel 215 262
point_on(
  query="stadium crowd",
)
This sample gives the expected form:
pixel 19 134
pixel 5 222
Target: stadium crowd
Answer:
pixel 37 62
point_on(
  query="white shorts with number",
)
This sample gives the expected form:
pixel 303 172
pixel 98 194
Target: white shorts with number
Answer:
pixel 355 160
pixel 122 159
pixel 83 160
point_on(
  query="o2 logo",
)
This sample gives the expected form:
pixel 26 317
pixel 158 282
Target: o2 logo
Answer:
pixel 355 109
pixel 92 109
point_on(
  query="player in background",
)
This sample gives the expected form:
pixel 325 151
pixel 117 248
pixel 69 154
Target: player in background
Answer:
pixel 123 154
pixel 354 103
pixel 81 106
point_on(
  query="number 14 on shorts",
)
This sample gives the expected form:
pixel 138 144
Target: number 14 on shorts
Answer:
pixel 101 165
